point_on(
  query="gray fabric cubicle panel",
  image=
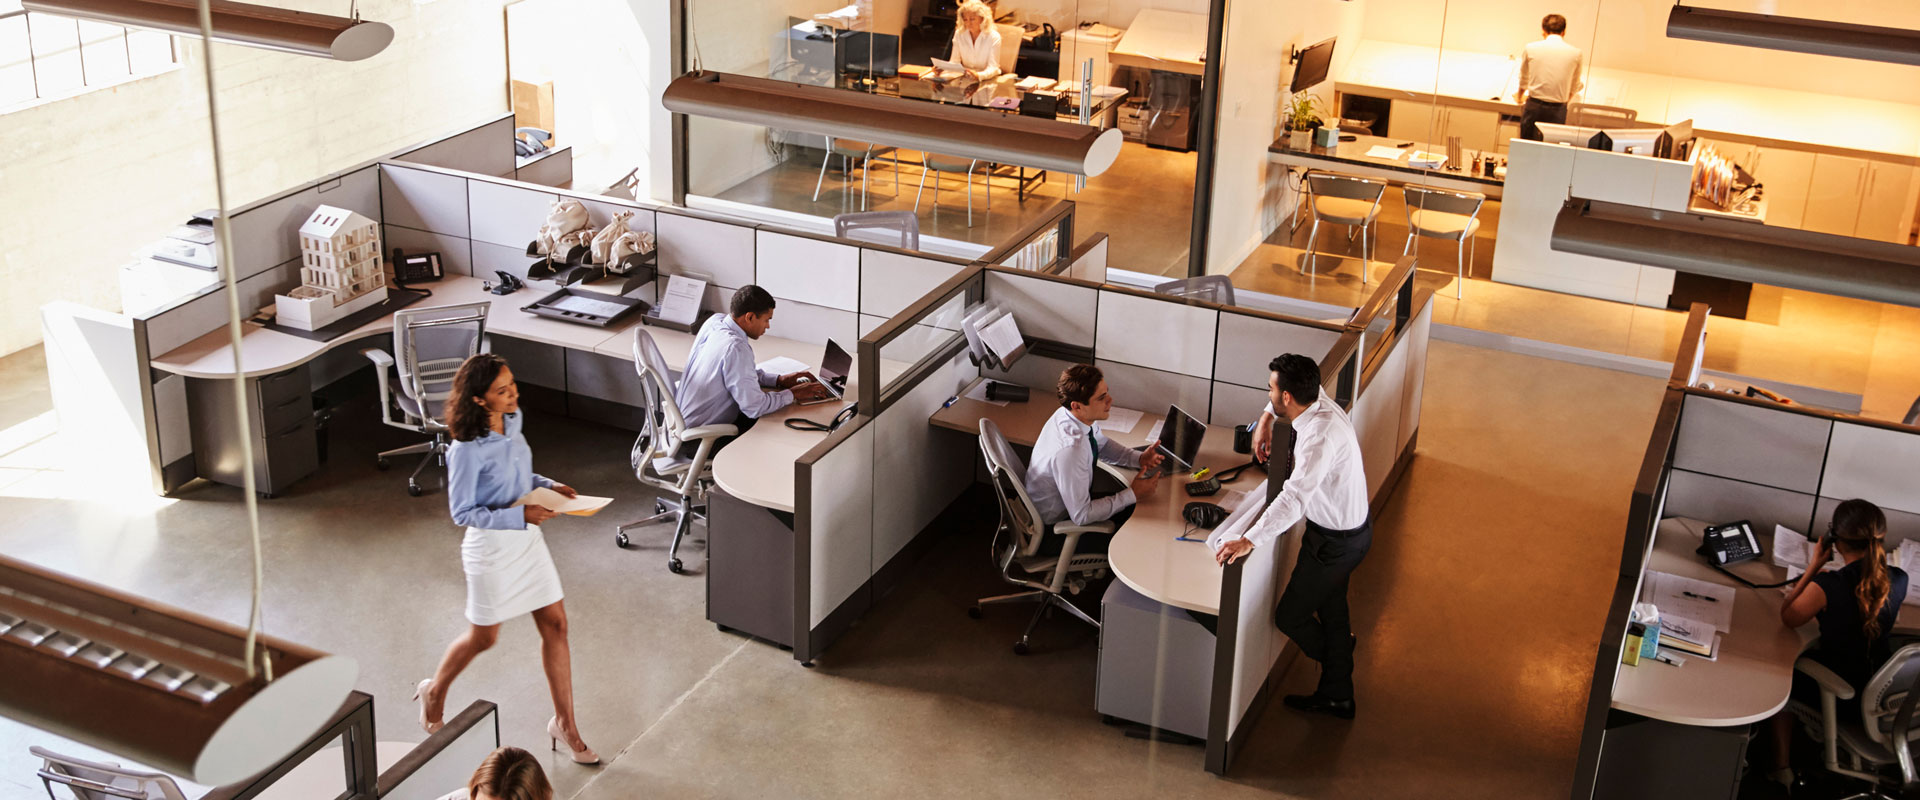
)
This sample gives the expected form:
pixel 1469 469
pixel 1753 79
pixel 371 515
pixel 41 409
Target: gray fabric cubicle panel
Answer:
pixel 1419 333
pixel 1257 644
pixel 535 363
pixel 604 378
pixel 1152 390
pixel 914 344
pixel 456 254
pixel 808 270
pixel 1751 443
pixel 552 168
pixel 803 322
pixel 720 251
pixel 1901 525
pixel 600 213
pixel 509 216
pixel 1092 265
pixel 1875 464
pixel 889 282
pixel 208 312
pixel 918 469
pixel 1718 500
pixel 1236 405
pixel 266 234
pixel 486 149
pixel 1376 417
pixel 424 201
pixel 1040 373
pixel 1046 309
pixel 1248 344
pixel 1159 334
pixel 842 524
pixel 490 258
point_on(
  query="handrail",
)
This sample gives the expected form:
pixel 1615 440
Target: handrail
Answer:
pixel 1395 291
pixel 438 742
pixel 353 726
pixel 1693 347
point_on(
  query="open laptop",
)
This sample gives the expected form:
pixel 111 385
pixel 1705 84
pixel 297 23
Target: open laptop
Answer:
pixel 1179 441
pixel 835 366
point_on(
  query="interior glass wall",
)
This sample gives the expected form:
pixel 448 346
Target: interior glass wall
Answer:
pixel 889 47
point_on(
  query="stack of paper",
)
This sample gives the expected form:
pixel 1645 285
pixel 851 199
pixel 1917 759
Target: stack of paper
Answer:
pixel 1426 160
pixel 781 365
pixel 1907 557
pixel 1383 151
pixel 1034 83
pixel 1688 635
pixel 1120 420
pixel 1688 598
pixel 1795 551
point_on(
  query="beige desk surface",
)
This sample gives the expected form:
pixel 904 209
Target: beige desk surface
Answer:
pixel 1145 552
pixel 1754 673
pixel 1172 41
pixel 758 467
pixel 1733 109
pixel 1351 157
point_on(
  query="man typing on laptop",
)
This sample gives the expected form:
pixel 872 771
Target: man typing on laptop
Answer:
pixel 1060 479
pixel 721 384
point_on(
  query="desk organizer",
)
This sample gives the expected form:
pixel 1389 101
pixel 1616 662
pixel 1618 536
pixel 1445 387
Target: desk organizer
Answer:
pixel 584 307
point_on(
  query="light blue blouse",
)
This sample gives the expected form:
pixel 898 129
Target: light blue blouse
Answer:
pixel 486 475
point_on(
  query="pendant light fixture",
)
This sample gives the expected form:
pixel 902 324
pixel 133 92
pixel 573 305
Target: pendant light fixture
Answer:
pixel 298 32
pixel 154 684
pixel 1739 250
pixel 953 130
pixel 1795 34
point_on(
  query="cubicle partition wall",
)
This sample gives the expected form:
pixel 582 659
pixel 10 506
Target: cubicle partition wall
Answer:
pixel 1043 245
pixel 342 759
pixel 1720 457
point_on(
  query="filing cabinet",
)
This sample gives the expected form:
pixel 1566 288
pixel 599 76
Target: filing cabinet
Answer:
pixel 280 428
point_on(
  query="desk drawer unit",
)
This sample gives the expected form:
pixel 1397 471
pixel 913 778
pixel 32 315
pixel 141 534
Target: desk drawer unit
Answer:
pixel 749 568
pixel 280 429
pixel 1167 684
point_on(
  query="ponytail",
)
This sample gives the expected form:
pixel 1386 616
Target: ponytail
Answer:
pixel 1873 587
pixel 1861 526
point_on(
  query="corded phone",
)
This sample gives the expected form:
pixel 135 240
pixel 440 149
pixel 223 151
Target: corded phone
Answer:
pixel 838 420
pixel 416 268
pixel 1731 543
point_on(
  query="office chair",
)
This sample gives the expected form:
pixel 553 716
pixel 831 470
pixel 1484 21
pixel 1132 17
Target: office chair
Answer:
pixel 882 227
pixel 1868 742
pixel 938 164
pixel 102 780
pixel 1211 288
pixel 1017 540
pixel 850 151
pixel 432 344
pixel 1344 200
pixel 537 141
pixel 1442 214
pixel 656 455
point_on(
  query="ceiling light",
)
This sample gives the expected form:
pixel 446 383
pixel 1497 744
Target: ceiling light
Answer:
pixel 952 130
pixel 1739 250
pixel 154 684
pixel 1816 36
pixel 299 32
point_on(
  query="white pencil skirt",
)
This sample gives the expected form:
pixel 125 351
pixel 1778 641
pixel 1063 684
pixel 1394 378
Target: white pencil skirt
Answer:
pixel 509 573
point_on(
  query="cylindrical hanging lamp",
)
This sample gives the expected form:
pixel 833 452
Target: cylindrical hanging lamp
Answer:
pixel 300 32
pixel 1795 34
pixel 952 130
pixel 158 685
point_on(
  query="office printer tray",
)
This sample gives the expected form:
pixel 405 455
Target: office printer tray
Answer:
pixel 545 307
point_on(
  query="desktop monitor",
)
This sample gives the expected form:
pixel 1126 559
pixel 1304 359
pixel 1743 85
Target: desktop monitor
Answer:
pixel 1639 141
pixel 875 55
pixel 1556 133
pixel 1311 66
pixel 1180 437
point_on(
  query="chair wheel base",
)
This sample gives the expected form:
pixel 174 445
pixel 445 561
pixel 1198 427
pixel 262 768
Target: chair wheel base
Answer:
pixel 414 490
pixel 382 464
pixel 974 613
pixel 1021 649
pixel 620 540
pixel 675 567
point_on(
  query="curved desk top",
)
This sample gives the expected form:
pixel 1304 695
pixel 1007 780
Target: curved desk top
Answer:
pixel 758 466
pixel 1145 553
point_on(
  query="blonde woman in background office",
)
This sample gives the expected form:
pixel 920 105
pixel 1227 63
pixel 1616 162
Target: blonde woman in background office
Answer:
pixel 509 571
pixel 976 42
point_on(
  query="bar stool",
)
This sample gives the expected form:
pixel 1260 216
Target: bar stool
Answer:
pixel 1344 200
pixel 944 164
pixel 849 150
pixel 1441 214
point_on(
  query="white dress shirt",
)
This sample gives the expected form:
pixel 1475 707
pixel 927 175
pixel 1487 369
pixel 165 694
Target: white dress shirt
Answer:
pixel 1328 484
pixel 978 53
pixel 1061 477
pixel 1550 70
pixel 721 381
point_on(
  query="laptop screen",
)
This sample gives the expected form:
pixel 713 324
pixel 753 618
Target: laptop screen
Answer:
pixel 836 365
pixel 1180 436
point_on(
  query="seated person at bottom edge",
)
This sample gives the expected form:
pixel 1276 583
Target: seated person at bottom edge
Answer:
pixel 1060 480
pixel 721 385
pixel 1855 605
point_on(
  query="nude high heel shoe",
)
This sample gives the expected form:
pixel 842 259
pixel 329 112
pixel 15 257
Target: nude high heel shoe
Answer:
pixel 420 696
pixel 555 734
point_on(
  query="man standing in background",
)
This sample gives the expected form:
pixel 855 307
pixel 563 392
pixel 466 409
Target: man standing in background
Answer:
pixel 1549 77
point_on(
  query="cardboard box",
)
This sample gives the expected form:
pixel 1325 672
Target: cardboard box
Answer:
pixel 532 105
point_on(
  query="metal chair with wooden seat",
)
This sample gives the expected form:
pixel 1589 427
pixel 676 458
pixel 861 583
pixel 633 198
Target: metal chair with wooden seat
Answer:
pixel 936 164
pixel 1442 214
pixel 849 152
pixel 1344 200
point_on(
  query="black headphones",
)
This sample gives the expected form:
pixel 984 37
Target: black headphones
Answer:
pixel 1203 515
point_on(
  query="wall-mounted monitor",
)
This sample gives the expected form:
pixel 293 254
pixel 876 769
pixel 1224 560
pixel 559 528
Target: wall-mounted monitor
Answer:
pixel 1311 65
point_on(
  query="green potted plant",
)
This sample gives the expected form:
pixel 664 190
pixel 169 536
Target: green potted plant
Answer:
pixel 1303 115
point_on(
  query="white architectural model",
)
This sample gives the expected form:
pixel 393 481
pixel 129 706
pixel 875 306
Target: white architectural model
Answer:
pixel 339 270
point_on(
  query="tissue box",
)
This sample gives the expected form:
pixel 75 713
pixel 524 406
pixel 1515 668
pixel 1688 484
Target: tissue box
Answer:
pixel 1326 137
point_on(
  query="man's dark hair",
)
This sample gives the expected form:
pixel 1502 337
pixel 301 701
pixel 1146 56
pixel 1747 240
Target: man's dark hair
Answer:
pixel 1078 383
pixel 1299 376
pixel 750 299
pixel 1554 24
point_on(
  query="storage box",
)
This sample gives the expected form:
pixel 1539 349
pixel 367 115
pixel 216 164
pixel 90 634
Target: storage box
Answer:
pixel 310 309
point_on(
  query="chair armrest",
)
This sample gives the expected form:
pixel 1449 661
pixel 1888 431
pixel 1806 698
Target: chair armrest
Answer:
pixel 708 432
pixel 382 367
pixel 1830 683
pixel 378 356
pixel 1901 743
pixel 1068 529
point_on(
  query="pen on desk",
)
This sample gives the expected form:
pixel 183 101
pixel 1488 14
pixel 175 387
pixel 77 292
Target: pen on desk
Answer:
pixel 1701 597
pixel 950 401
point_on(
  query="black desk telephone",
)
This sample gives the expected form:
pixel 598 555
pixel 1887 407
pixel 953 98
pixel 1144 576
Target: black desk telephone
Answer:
pixel 1731 543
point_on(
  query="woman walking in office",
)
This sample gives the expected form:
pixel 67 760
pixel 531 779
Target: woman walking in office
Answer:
pixel 509 572
pixel 1855 605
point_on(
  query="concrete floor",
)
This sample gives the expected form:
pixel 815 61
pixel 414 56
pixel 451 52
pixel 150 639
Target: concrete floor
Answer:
pixel 1144 202
pixel 918 700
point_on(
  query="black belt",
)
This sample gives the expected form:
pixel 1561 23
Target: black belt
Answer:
pixel 1546 102
pixel 1315 527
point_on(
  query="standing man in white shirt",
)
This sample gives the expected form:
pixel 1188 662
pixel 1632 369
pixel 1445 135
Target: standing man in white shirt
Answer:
pixel 1549 77
pixel 1060 481
pixel 721 384
pixel 1328 489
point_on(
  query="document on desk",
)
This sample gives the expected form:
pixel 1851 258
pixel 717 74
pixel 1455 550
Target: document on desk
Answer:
pixel 1121 420
pixel 1388 153
pixel 781 365
pixel 680 303
pixel 1794 551
pixel 1710 603
pixel 579 505
pixel 1907 557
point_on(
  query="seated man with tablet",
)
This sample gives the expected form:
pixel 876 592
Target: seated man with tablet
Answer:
pixel 1060 477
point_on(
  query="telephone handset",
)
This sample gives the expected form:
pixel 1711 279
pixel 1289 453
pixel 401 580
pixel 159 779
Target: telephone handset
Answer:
pixel 838 420
pixel 1731 543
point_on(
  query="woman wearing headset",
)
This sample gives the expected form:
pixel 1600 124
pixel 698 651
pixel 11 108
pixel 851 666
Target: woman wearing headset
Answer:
pixel 1855 606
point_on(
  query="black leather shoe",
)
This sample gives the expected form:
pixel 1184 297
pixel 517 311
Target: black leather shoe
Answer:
pixel 1320 703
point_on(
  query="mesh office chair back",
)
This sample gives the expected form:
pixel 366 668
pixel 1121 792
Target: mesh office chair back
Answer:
pixel 660 432
pixel 897 228
pixel 1017 512
pixel 1211 288
pixel 102 780
pixel 431 344
pixel 1880 699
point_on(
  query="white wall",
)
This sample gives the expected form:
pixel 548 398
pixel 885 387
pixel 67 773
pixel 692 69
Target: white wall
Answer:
pixel 1250 196
pixel 1631 35
pixel 607 78
pixel 92 178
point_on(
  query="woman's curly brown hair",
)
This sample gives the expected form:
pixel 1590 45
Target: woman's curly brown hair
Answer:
pixel 467 420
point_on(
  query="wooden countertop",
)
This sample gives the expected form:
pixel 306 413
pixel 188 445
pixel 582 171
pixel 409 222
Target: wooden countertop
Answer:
pixel 1145 553
pixel 1354 154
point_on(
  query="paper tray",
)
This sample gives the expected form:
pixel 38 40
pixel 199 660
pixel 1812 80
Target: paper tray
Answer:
pixel 585 307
